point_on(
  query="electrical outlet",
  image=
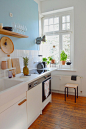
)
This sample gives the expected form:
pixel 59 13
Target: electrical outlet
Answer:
pixel 81 91
pixel 11 15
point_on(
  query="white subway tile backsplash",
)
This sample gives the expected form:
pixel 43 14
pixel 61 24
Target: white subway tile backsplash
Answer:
pixel 31 54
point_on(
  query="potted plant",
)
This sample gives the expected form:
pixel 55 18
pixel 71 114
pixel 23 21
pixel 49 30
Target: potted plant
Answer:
pixel 48 60
pixel 63 57
pixel 25 69
pixel 51 60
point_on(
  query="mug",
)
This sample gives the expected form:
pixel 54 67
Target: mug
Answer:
pixel 4 65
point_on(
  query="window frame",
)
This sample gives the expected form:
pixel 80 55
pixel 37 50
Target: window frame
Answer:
pixel 62 32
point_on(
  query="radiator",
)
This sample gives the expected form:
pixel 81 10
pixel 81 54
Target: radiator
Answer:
pixel 58 82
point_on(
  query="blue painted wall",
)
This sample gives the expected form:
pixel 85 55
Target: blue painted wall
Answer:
pixel 25 12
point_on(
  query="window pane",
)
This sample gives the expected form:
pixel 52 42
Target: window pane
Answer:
pixel 68 18
pixel 68 26
pixel 63 19
pixel 63 26
pixel 45 28
pixel 51 28
pixel 56 27
pixel 45 22
pixel 56 20
pixel 66 44
pixel 51 47
pixel 50 21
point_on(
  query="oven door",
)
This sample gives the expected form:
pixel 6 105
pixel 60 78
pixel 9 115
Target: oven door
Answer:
pixel 46 88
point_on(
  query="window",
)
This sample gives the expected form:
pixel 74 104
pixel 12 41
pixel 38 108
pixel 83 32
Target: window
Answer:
pixel 59 35
pixel 51 24
pixel 66 44
pixel 66 22
pixel 51 48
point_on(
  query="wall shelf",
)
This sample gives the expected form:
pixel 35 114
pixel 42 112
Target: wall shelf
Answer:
pixel 13 34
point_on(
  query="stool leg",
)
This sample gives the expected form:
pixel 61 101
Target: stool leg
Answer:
pixel 75 95
pixel 77 91
pixel 67 91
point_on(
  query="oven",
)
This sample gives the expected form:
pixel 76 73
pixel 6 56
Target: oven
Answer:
pixel 46 88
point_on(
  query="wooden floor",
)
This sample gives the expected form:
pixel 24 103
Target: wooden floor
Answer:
pixel 62 115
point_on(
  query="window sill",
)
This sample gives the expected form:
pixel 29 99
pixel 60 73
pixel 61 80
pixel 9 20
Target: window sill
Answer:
pixel 68 70
pixel 64 69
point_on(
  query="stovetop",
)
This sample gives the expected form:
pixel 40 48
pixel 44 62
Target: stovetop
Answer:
pixel 37 71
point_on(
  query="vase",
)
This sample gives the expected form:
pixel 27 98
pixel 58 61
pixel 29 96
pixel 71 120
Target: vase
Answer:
pixel 25 71
pixel 63 62
pixel 52 61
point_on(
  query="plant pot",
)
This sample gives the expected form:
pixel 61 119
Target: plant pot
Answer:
pixel 63 62
pixel 25 71
pixel 52 61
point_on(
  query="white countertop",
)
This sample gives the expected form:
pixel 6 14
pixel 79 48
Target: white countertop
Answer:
pixel 32 77
pixel 22 79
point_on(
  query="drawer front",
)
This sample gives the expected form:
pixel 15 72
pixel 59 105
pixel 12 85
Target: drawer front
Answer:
pixel 14 117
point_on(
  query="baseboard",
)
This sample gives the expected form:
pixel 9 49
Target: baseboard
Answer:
pixel 62 92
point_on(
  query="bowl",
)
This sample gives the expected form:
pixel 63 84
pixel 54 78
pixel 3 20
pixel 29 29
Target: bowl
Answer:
pixel 8 28
pixel 68 63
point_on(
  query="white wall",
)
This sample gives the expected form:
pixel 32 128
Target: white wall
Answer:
pixel 79 33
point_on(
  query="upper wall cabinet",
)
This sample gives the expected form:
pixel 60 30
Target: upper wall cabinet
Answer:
pixel 13 34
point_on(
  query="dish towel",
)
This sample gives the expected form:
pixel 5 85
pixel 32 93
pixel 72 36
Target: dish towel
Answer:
pixel 46 88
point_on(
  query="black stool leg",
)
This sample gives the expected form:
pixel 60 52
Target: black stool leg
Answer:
pixel 75 95
pixel 67 91
pixel 77 91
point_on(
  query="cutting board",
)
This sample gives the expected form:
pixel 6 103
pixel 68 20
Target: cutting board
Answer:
pixel 16 64
pixel 7 45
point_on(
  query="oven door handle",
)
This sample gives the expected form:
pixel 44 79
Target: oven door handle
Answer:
pixel 47 79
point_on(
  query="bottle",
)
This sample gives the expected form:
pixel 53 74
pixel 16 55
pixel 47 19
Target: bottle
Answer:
pixel 10 74
pixel 9 61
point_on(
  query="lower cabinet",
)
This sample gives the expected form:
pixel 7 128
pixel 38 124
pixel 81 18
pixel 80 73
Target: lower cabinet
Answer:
pixel 34 103
pixel 14 117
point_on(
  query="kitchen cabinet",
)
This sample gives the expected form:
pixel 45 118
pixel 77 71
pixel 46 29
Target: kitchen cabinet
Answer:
pixel 15 116
pixel 34 103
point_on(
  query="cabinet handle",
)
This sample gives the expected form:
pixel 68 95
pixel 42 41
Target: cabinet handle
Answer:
pixel 22 102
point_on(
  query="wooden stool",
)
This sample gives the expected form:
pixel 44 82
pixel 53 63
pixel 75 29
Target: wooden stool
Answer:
pixel 75 86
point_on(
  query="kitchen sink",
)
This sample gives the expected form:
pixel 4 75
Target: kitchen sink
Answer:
pixel 11 89
pixel 8 83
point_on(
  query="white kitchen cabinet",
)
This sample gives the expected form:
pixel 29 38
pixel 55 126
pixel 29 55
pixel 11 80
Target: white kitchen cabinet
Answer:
pixel 34 103
pixel 14 117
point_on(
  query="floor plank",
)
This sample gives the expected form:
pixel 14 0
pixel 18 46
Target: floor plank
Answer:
pixel 62 114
